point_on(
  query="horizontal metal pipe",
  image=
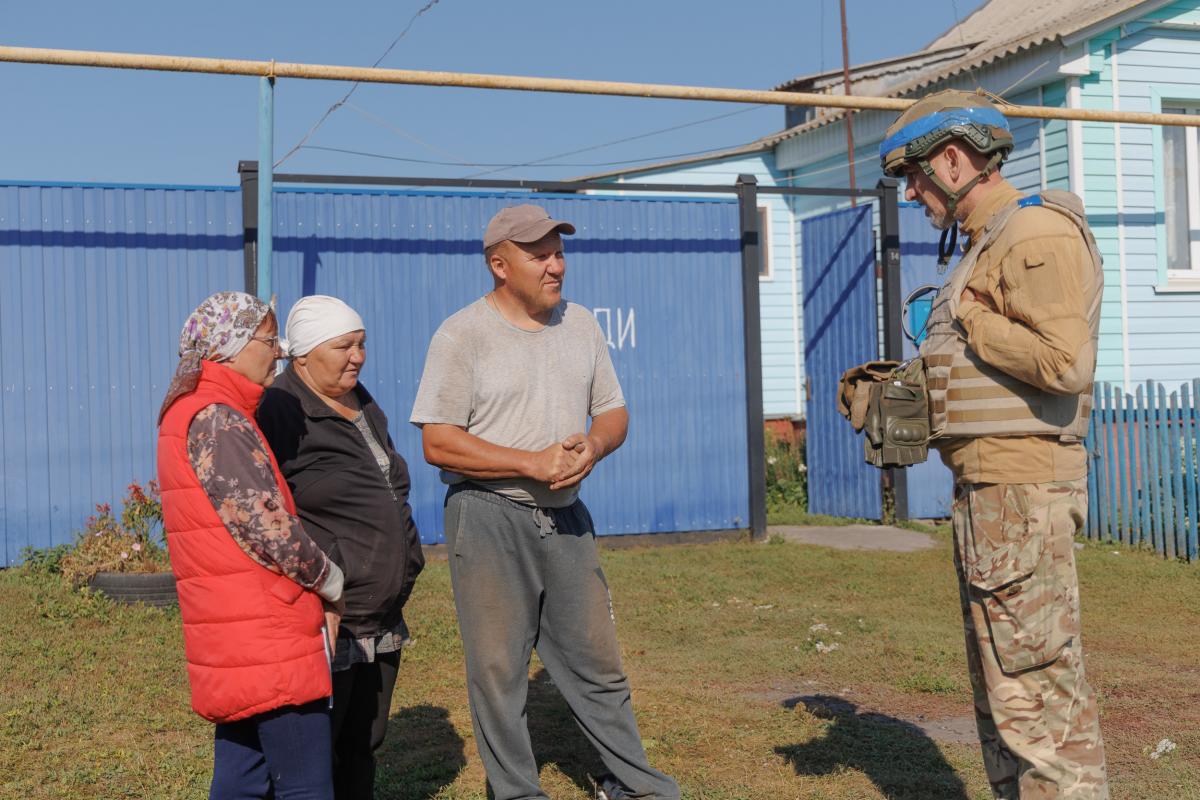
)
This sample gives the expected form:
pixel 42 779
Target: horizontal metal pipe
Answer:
pixel 284 69
pixel 561 186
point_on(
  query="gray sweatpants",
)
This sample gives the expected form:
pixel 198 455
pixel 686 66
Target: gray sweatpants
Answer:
pixel 526 578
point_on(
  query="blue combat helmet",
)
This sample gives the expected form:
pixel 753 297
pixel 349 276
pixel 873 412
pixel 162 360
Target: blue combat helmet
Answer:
pixel 933 121
pixel 937 119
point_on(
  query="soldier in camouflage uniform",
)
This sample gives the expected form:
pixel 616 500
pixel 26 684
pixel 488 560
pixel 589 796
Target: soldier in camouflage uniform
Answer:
pixel 1010 358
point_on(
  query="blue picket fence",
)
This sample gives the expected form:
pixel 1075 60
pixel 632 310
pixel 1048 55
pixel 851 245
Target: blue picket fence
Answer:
pixel 1143 483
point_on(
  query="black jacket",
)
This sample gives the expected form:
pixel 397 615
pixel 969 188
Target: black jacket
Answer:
pixel 363 522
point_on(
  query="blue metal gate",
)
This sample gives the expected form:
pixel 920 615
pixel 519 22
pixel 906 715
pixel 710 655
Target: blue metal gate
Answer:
pixel 840 330
pixel 930 485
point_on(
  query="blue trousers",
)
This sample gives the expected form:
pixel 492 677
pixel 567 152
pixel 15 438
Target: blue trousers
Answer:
pixel 284 754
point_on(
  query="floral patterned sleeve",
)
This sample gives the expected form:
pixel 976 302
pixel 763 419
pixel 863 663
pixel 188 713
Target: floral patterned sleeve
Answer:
pixel 234 469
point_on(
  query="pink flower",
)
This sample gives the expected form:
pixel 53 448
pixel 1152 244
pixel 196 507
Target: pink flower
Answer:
pixel 124 554
pixel 136 547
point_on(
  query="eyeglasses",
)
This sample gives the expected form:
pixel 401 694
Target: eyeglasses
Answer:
pixel 270 341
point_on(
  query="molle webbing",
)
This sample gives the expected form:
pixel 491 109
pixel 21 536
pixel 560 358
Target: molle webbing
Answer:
pixel 967 396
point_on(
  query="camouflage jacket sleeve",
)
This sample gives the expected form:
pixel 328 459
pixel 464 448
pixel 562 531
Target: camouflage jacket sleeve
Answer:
pixel 234 469
pixel 1028 316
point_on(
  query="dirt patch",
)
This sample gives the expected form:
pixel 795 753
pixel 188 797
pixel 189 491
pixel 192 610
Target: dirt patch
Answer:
pixel 856 537
pixel 957 730
pixel 931 717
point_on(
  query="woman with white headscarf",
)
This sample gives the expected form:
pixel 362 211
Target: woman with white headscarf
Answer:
pixel 351 488
pixel 252 584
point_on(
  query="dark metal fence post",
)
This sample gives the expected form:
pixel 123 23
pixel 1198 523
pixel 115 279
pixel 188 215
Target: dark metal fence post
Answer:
pixel 893 330
pixel 747 190
pixel 248 170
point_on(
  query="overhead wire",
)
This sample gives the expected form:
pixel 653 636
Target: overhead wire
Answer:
pixel 485 164
pixel 1000 95
pixel 646 135
pixel 958 23
pixel 396 129
pixel 821 35
pixel 354 87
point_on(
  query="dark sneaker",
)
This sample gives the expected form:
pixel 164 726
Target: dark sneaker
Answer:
pixel 609 788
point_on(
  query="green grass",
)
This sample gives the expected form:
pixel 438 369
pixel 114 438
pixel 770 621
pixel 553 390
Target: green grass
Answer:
pixel 733 695
pixel 788 514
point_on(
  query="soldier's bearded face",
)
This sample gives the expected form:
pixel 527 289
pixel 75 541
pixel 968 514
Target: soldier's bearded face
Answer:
pixel 919 188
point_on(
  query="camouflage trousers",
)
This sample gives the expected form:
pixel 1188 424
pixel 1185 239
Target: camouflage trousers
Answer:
pixel 1036 713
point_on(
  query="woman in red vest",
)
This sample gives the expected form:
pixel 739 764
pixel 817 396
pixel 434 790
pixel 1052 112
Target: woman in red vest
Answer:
pixel 259 599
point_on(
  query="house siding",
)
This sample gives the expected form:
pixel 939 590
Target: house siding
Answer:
pixel 779 294
pixel 1056 166
pixel 1185 12
pixel 1153 64
pixel 1023 167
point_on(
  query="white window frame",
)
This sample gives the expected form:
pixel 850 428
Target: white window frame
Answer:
pixel 1192 159
pixel 766 270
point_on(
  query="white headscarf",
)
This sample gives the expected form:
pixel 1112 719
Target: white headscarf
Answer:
pixel 316 319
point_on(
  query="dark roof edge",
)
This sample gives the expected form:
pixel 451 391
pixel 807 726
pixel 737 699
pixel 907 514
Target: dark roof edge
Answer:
pixel 872 65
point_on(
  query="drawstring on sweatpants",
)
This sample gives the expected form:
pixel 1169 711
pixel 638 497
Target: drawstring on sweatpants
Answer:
pixel 545 520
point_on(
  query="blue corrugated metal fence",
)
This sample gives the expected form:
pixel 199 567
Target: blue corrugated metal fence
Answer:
pixel 840 330
pixel 96 282
pixel 1144 480
pixel 661 275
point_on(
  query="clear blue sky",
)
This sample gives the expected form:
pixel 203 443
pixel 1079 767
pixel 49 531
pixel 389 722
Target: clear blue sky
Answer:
pixel 76 124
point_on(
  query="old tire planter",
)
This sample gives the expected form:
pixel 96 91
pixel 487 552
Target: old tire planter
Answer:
pixel 155 589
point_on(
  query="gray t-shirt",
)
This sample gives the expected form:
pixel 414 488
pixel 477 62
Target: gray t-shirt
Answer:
pixel 518 388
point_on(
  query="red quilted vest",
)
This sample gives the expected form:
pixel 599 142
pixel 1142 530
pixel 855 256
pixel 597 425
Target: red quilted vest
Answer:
pixel 252 637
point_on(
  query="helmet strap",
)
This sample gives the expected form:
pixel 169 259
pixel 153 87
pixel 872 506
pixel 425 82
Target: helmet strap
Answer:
pixel 945 250
pixel 952 197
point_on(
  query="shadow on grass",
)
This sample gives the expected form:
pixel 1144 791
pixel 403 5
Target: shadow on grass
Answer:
pixel 421 755
pixel 898 757
pixel 555 735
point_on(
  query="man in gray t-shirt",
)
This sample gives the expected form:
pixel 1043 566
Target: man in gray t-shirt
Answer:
pixel 520 389
pixel 509 384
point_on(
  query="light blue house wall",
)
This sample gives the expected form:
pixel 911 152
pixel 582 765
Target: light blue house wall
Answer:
pixel 1151 330
pixel 1024 164
pixel 1055 142
pixel 779 291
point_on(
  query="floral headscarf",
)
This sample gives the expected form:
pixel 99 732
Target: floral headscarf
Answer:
pixel 216 331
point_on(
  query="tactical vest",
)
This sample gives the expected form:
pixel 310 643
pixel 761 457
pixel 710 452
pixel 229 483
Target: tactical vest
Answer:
pixel 967 396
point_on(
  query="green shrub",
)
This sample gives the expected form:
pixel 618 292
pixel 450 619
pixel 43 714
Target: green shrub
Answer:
pixel 787 475
pixel 46 560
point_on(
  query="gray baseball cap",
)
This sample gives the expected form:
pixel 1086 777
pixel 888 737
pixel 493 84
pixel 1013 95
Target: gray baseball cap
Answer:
pixel 523 224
